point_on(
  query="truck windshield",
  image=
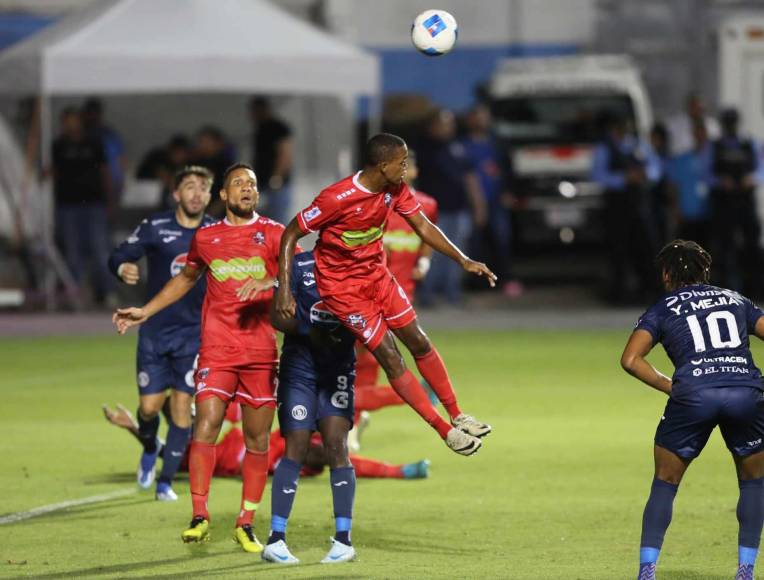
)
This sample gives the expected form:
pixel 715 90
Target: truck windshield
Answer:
pixel 557 119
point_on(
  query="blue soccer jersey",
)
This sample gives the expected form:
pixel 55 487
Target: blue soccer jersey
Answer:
pixel 705 332
pixel 317 368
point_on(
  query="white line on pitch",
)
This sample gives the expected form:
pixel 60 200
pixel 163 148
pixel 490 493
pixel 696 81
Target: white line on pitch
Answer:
pixel 54 507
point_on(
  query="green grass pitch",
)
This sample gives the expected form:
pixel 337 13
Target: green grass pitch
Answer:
pixel 556 493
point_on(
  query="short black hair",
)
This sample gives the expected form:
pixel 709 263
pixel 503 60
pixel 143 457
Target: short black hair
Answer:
pixel 233 168
pixel 197 170
pixel 685 262
pixel 381 148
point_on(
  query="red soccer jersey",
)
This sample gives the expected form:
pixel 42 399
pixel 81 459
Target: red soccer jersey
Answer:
pixel 233 254
pixel 351 220
pixel 403 244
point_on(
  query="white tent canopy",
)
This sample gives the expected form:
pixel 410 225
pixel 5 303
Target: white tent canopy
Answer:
pixel 186 46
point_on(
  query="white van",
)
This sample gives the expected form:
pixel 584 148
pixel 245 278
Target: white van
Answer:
pixel 547 118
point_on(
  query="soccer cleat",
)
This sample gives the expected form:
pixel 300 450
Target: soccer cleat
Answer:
pixel 418 470
pixel 339 553
pixel 744 572
pixel 470 425
pixel 198 531
pixel 279 553
pixel 147 469
pixel 354 435
pixel 646 571
pixel 462 443
pixel 165 492
pixel 244 536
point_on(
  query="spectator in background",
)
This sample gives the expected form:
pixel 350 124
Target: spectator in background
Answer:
pixel 689 174
pixel 272 149
pixel 162 163
pixel 495 240
pixel 680 126
pixel 661 191
pixel 626 167
pixel 447 174
pixel 84 202
pixel 734 164
pixel 114 148
pixel 211 150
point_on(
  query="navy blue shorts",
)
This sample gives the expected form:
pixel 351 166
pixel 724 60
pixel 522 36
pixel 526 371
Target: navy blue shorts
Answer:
pixel 303 401
pixel 688 421
pixel 160 368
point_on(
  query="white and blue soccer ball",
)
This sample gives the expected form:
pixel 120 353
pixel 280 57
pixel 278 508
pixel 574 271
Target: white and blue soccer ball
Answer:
pixel 434 32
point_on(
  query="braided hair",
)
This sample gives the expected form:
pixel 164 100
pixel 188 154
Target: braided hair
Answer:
pixel 685 262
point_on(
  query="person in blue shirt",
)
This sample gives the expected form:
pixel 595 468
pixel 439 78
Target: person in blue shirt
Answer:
pixel 705 332
pixel 735 170
pixel 168 343
pixel 316 380
pixel 625 167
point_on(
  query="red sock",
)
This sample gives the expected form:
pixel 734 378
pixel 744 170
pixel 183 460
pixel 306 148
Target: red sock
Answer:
pixel 201 464
pixel 434 372
pixel 411 391
pixel 366 367
pixel 372 468
pixel 373 398
pixel 254 472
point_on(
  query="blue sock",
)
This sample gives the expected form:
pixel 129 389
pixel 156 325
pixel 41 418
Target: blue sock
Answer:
pixel 283 491
pixel 343 496
pixel 173 451
pixel 750 516
pixel 656 519
pixel 147 432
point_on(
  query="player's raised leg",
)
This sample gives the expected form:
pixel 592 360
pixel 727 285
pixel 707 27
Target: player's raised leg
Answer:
pixel 432 368
pixel 334 432
pixel 201 463
pixel 669 469
pixel 254 470
pixel 365 467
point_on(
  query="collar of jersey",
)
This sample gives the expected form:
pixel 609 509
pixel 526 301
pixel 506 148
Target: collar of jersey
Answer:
pixel 250 222
pixel 358 184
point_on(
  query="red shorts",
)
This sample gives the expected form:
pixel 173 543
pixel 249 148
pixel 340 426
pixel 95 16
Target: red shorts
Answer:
pixel 369 308
pixel 253 385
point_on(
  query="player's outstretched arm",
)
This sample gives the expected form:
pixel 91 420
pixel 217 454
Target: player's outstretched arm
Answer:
pixel 285 304
pixel 633 362
pixel 433 236
pixel 174 290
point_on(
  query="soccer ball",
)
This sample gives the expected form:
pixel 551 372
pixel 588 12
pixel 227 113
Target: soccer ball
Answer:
pixel 434 32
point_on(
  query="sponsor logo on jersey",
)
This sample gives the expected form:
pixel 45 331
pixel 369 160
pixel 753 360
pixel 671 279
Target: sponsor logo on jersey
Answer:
pixel 388 199
pixel 308 278
pixel 160 221
pixel 143 379
pixel 311 213
pixel 175 233
pixel 402 241
pixel 168 239
pixel 299 412
pixel 178 263
pixel 355 238
pixel 340 400
pixel 356 321
pixel 320 316
pixel 259 238
pixel 238 269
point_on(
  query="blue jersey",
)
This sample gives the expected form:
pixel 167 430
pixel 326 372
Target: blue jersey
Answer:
pixel 322 345
pixel 165 244
pixel 705 332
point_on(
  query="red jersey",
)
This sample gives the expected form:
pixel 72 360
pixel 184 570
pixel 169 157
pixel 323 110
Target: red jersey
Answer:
pixel 403 244
pixel 351 220
pixel 233 254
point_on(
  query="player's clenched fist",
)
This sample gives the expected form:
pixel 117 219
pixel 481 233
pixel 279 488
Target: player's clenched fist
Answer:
pixel 480 269
pixel 285 304
pixel 129 273
pixel 125 318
